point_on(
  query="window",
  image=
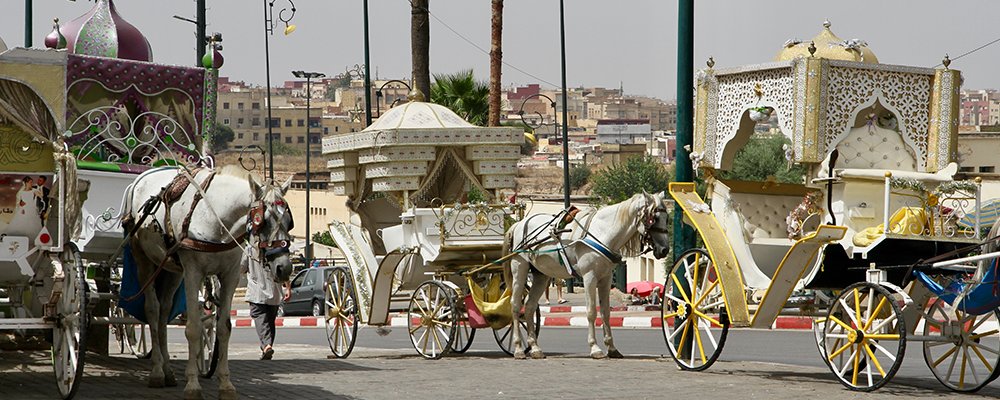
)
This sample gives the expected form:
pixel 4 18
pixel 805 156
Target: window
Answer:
pixel 276 137
pixel 275 123
pixel 288 123
pixel 314 122
pixel 239 121
pixel 989 169
pixel 297 282
pixel 314 138
pixel 966 169
pixel 256 136
pixel 239 106
pixel 255 106
pixel 326 129
pixel 225 106
pixel 336 129
pixel 288 139
pixel 239 135
pixel 302 122
pixel 310 277
pixel 225 121
pixel 255 121
pixel 302 139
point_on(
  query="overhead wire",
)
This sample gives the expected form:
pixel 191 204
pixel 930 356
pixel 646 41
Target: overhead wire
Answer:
pixel 971 51
pixel 481 49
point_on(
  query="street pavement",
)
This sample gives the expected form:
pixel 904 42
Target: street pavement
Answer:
pixel 755 364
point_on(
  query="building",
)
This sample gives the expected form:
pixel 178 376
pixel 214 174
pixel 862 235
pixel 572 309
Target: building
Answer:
pixel 623 131
pixel 243 109
pixel 979 107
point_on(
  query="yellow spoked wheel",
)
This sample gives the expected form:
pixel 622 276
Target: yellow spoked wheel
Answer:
pixel 432 319
pixel 863 339
pixel 695 324
pixel 968 355
pixel 340 312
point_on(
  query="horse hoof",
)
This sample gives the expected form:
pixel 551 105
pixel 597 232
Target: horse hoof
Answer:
pixel 156 382
pixel 597 355
pixel 615 354
pixel 519 355
pixel 193 394
pixel 538 355
pixel 228 394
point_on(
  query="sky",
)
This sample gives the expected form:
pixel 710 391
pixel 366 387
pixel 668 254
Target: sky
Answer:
pixel 631 43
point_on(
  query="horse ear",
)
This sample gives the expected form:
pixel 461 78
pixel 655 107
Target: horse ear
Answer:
pixel 254 187
pixel 286 185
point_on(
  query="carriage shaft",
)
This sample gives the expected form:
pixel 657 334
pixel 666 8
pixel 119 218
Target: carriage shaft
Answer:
pixel 25 323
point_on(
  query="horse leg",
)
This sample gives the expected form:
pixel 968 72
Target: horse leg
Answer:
pixel 539 282
pixel 590 286
pixel 170 284
pixel 223 331
pixel 519 269
pixel 603 293
pixel 193 279
pixel 151 306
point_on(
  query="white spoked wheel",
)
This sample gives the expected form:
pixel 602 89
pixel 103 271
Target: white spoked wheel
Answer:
pixel 341 311
pixel 432 319
pixel 505 336
pixel 208 297
pixel 864 337
pixel 695 324
pixel 69 336
pixel 968 355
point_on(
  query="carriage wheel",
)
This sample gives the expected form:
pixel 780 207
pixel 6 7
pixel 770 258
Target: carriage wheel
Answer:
pixel 432 319
pixel 137 337
pixel 968 356
pixel 505 336
pixel 691 299
pixel 69 337
pixel 864 337
pixel 341 311
pixel 463 337
pixel 208 356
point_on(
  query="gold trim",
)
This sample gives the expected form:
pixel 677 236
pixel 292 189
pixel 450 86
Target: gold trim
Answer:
pixel 812 110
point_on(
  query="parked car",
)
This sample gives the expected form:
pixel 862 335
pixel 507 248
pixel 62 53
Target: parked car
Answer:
pixel 307 292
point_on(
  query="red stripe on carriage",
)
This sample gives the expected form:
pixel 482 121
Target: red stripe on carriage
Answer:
pixel 243 322
pixel 308 321
pixel 793 323
pixel 556 321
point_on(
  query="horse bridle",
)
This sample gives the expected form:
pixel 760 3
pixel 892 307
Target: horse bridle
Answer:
pixel 650 227
pixel 270 247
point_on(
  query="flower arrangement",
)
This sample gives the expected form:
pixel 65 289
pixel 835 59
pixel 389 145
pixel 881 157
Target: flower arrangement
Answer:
pixel 810 205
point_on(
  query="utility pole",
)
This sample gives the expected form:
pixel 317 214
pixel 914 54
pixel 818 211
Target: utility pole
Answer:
pixel 200 32
pixel 683 234
pixel 27 23
pixel 368 79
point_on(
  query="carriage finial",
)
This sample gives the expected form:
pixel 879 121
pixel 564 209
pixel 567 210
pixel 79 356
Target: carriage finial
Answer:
pixel 946 61
pixel 710 62
pixel 812 49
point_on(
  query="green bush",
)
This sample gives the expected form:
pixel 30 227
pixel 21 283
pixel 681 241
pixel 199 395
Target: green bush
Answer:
pixel 761 158
pixel 579 175
pixel 619 182
pixel 324 238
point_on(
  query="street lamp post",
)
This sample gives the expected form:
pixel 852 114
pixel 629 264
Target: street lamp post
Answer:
pixel 541 118
pixel 565 112
pixel 268 31
pixel 309 76
pixel 368 80
pixel 27 23
pixel 378 95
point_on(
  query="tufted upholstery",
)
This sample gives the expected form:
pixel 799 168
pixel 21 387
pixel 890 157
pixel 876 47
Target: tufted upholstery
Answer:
pixel 764 214
pixel 874 147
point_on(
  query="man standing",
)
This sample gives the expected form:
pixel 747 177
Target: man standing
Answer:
pixel 264 296
pixel 42 199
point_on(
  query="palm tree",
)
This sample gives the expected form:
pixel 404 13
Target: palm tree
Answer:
pixel 420 44
pixel 496 57
pixel 463 94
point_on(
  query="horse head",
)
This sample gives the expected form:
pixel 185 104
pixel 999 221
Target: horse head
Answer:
pixel 654 224
pixel 270 221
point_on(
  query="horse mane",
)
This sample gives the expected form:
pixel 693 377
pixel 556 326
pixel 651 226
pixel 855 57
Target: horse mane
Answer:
pixel 624 216
pixel 237 171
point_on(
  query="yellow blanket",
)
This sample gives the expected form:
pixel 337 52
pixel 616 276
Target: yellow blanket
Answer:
pixel 905 221
pixel 494 305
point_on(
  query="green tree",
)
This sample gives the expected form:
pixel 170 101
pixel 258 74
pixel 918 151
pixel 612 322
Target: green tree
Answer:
pixel 578 176
pixel 619 182
pixel 222 137
pixel 324 238
pixel 764 157
pixel 463 94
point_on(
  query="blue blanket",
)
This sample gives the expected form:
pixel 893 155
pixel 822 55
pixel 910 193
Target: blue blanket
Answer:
pixel 131 286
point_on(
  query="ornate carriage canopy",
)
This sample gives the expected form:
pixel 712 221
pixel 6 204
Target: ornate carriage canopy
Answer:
pixel 420 152
pixel 819 91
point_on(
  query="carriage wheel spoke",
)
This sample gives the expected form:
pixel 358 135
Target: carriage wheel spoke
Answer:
pixel 679 288
pixel 874 314
pixel 711 338
pixel 871 356
pixel 839 350
pixel 706 292
pixel 841 323
pixel 697 337
pixel 944 356
pixel 981 346
pixel 857 353
pixel 702 315
pixel 982 358
pixel 848 310
pixel 679 328
pixel 980 335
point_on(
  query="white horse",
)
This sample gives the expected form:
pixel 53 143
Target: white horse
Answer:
pixel 195 228
pixel 594 246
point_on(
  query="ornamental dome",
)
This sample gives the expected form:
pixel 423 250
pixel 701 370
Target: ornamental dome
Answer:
pixel 102 32
pixel 419 115
pixel 828 46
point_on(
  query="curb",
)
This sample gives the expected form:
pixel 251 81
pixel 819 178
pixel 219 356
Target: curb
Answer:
pixel 789 322
pixel 544 309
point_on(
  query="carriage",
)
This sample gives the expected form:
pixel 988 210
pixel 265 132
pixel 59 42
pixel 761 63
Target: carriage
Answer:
pixel 879 242
pixel 77 128
pixel 427 220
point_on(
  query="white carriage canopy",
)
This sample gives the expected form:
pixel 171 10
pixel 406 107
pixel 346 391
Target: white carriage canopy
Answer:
pixel 418 154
